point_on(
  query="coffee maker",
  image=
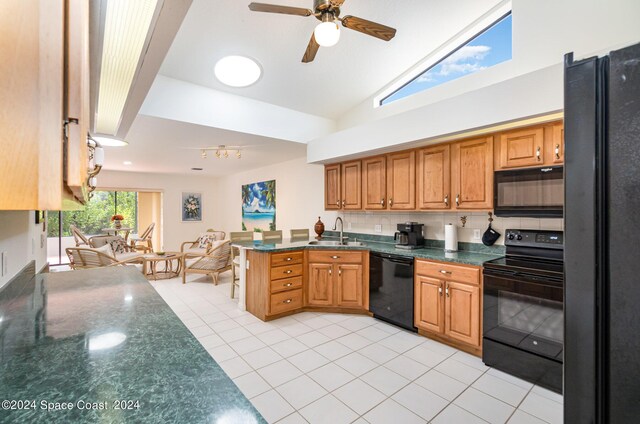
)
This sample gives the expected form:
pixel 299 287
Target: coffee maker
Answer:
pixel 409 236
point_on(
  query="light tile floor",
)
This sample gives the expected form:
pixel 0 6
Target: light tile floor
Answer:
pixel 335 368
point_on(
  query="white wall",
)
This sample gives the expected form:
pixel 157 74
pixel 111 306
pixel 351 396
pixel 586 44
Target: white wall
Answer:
pixel 528 85
pixel 20 237
pixel 299 196
pixel 172 186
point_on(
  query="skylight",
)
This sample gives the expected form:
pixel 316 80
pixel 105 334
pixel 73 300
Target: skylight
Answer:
pixel 491 46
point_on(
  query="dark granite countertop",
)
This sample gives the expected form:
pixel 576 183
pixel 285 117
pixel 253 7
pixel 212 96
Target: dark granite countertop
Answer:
pixel 102 336
pixel 462 257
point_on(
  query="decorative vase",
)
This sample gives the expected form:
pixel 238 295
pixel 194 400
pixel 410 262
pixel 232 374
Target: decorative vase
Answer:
pixel 117 224
pixel 319 228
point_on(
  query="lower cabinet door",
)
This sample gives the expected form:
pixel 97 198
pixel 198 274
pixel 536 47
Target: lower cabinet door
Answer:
pixel 428 304
pixel 462 310
pixel 320 290
pixel 349 286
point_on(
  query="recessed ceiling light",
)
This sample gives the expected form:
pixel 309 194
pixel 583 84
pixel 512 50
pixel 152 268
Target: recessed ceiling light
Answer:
pixel 127 162
pixel 237 71
pixel 109 141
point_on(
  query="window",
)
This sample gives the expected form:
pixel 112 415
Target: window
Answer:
pixel 488 48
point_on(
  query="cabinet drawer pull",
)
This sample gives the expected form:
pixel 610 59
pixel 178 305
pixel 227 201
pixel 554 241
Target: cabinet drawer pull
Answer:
pixel 446 200
pixel 538 154
pixel 557 151
pixel 442 271
pixel 289 259
pixel 287 285
pixel 335 257
pixel 458 200
pixel 288 271
pixel 287 301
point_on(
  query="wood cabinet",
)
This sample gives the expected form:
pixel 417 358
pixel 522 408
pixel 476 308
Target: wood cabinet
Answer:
pixel 374 183
pixel 401 180
pixel 332 187
pixel 343 186
pixel 447 303
pixel 472 173
pixel 337 279
pixel 434 177
pixel 556 149
pixel 40 40
pixel 522 148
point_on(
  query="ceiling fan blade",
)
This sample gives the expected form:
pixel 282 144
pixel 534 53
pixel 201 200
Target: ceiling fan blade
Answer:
pixel 312 49
pixel 274 8
pixel 373 29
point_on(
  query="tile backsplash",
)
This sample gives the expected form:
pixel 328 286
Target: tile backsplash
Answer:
pixel 366 222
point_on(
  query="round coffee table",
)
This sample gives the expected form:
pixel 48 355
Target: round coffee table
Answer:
pixel 172 265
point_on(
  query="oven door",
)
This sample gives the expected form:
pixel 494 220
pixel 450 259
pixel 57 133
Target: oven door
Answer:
pixel 534 192
pixel 524 311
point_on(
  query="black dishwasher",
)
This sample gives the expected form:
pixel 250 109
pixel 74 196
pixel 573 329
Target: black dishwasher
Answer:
pixel 391 289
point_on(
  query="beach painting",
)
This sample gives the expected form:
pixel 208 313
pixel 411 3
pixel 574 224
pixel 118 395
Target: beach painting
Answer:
pixel 259 206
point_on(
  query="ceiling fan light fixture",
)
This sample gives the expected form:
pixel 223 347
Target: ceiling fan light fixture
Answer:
pixel 327 33
pixel 108 140
pixel 237 71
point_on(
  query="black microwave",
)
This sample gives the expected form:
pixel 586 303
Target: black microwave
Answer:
pixel 531 192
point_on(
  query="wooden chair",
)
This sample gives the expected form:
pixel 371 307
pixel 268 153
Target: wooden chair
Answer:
pixel 237 236
pixel 115 242
pixel 301 234
pixel 86 258
pixel 144 242
pixel 193 246
pixel 216 261
pixel 78 236
pixel 272 236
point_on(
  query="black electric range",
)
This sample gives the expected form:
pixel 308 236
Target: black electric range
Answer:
pixel 523 317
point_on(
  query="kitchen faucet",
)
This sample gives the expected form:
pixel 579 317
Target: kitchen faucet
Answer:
pixel 335 225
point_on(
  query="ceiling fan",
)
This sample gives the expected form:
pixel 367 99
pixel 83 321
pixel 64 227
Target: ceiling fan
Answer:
pixel 327 33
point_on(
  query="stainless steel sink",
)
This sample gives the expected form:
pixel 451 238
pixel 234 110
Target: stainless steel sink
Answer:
pixel 336 243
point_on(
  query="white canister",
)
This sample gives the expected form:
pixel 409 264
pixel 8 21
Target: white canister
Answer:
pixel 450 238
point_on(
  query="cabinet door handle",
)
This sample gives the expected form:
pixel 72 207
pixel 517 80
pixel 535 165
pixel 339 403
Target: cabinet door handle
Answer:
pixel 343 203
pixel 340 272
pixel 447 291
pixel 458 200
pixel 557 151
pixel 442 271
pixel 288 271
pixel 391 201
pixel 288 285
pixel 330 271
pixel 287 301
pixel 446 200
pixel 440 290
pixel 338 203
pixel 335 257
pixel 382 202
pixel 538 155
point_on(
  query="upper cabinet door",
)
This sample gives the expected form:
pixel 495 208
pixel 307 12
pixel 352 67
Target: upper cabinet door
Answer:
pixel 557 144
pixel 522 148
pixel 332 198
pixel 472 173
pixel 434 178
pixel 374 182
pixel 77 88
pixel 351 186
pixel 401 180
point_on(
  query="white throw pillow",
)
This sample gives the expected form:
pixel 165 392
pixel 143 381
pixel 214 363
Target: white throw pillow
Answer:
pixel 106 249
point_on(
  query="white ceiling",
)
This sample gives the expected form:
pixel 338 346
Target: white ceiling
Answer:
pixel 163 146
pixel 342 76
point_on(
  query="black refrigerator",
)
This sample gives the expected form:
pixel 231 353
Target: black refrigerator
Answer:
pixel 602 238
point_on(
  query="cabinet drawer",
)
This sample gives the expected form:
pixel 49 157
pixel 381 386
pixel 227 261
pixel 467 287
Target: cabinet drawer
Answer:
pixel 337 256
pixel 285 301
pixel 280 272
pixel 464 274
pixel 286 284
pixel 286 258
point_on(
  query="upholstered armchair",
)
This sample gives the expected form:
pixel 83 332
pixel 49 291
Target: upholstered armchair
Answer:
pixel 216 260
